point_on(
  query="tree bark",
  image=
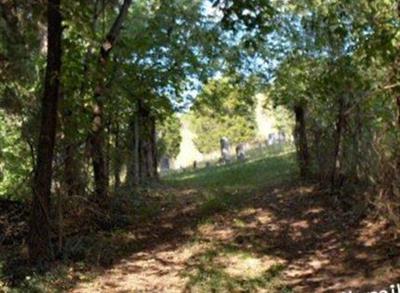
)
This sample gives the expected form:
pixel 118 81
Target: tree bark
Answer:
pixel 143 114
pixel 39 234
pixel 108 142
pixel 69 170
pixel 134 161
pixel 398 125
pixel 147 150
pixel 398 111
pixel 338 143
pixel 117 158
pixel 143 162
pixel 72 178
pixel 97 133
pixel 154 147
pixel 136 155
pixel 96 152
pixel 301 141
pixel 148 155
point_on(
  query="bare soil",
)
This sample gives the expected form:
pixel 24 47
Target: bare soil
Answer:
pixel 322 246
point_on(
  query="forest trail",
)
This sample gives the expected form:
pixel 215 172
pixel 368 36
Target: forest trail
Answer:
pixel 284 237
pixel 286 115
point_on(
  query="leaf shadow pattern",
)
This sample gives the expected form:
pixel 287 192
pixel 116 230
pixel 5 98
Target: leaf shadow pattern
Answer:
pixel 303 239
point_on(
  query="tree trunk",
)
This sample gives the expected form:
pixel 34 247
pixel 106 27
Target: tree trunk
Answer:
pixel 97 134
pixel 338 143
pixel 72 178
pixel 71 170
pixel 117 158
pixel 96 152
pixel 398 112
pixel 147 151
pixel 301 141
pixel 108 150
pixel 154 147
pixel 39 234
pixel 319 155
pixel 143 140
pixel 136 155
pixel 143 163
pixel 134 161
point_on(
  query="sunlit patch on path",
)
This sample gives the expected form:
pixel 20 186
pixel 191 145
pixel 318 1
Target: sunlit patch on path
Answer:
pixel 275 237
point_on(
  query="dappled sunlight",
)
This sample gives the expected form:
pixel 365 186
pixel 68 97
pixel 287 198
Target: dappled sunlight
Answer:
pixel 280 237
pixel 209 231
pixel 284 237
pixel 314 211
pixel 227 269
pixel 199 146
pixel 155 270
pixel 373 233
pixel 246 266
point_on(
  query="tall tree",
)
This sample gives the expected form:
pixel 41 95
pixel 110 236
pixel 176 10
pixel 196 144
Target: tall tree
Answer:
pixel 40 227
pixel 300 135
pixel 96 138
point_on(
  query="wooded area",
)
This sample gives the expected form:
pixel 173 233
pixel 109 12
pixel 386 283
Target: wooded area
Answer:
pixel 92 95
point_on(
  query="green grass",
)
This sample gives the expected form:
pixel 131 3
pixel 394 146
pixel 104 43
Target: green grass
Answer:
pixel 217 189
pixel 209 275
pixel 255 173
pixel 228 187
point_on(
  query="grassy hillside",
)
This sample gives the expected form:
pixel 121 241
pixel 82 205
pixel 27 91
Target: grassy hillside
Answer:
pixel 260 170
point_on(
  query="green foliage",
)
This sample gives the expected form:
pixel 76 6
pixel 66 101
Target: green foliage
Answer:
pixel 169 137
pixel 340 65
pixel 284 120
pixel 163 45
pixel 337 59
pixel 15 159
pixel 253 16
pixel 223 109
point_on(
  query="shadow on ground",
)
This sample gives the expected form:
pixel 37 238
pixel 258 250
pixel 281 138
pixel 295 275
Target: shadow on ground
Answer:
pixel 290 237
pixel 284 239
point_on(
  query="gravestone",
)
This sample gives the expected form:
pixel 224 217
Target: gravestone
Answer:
pixel 272 138
pixel 240 152
pixel 276 138
pixel 164 164
pixel 225 157
pixel 281 137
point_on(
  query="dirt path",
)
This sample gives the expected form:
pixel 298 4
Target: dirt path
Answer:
pixel 284 239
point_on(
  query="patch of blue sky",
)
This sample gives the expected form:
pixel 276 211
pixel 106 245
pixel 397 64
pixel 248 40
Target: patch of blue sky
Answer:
pixel 262 62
